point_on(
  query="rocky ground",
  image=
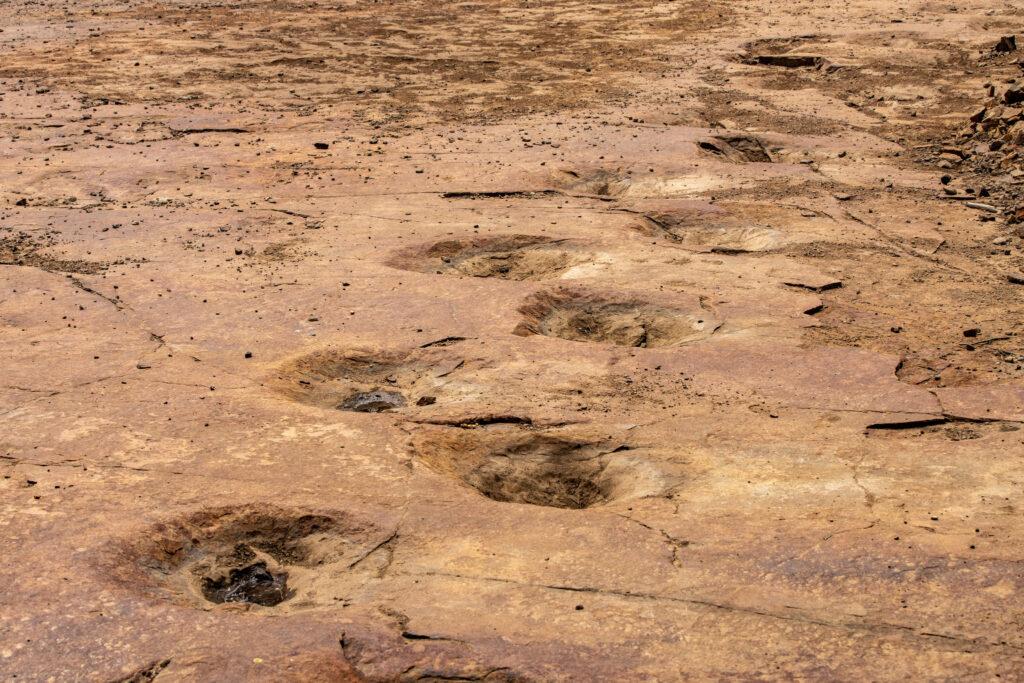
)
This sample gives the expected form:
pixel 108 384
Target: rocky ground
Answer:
pixel 507 341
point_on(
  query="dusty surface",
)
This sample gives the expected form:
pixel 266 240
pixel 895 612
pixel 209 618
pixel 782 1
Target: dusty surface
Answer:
pixel 511 341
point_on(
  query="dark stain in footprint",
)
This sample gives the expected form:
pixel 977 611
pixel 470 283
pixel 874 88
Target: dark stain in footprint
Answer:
pixel 259 556
pixel 501 194
pixel 787 53
pixel 789 61
pixel 562 467
pixel 737 148
pixel 253 584
pixel 374 401
pixel 579 316
pixel 147 673
pixel 951 428
pixel 599 182
pixel 366 382
pixel 712 230
pixel 508 257
pixel 551 484
pixel 515 464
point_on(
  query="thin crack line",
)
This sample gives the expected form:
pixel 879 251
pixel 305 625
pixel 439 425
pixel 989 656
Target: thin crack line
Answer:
pixel 726 607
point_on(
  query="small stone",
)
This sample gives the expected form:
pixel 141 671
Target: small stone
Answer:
pixel 1012 114
pixel 377 401
pixel 321 145
pixel 993 114
pixel 1006 44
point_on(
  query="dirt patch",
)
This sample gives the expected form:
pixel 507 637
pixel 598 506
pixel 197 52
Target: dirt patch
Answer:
pixel 288 250
pixel 512 463
pixel 962 364
pixel 556 57
pixel 939 343
pixel 579 316
pixel 512 257
pixel 23 250
pixel 364 382
pixel 255 556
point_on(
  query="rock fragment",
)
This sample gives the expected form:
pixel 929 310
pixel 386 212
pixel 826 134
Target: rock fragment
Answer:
pixel 1006 44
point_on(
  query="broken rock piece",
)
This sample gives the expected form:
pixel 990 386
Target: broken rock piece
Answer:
pixel 1006 44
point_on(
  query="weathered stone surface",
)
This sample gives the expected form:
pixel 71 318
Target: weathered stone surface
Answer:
pixel 509 341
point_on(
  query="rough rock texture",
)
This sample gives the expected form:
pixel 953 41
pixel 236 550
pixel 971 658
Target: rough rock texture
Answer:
pixel 510 341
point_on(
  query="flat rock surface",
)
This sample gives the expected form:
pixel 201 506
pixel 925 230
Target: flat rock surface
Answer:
pixel 509 341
